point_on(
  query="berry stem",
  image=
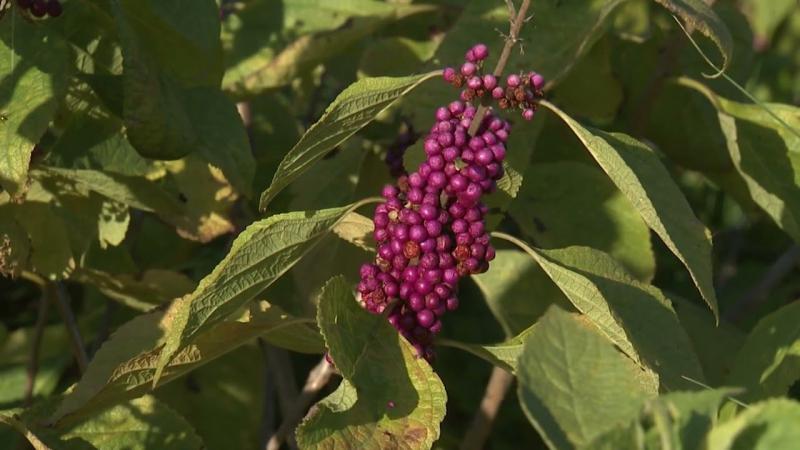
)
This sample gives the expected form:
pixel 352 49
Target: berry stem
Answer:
pixel 511 40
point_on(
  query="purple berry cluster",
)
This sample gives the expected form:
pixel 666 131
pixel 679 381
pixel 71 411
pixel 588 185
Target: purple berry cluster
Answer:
pixel 520 91
pixel 41 8
pixel 430 229
pixel 397 151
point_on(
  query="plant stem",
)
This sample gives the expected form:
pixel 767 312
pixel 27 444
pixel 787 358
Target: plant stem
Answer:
pixel 33 363
pixel 496 390
pixel 318 377
pixel 58 294
pixel 511 40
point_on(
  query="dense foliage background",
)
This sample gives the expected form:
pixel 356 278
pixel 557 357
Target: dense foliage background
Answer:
pixel 186 196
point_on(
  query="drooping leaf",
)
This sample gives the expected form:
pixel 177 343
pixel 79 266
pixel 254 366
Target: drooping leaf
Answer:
pixel 504 354
pixel 125 365
pixel 640 176
pixel 354 108
pixel 573 384
pixel 259 255
pixel 518 291
pixel 698 15
pixel 769 425
pixel 769 361
pixel 34 72
pixel 389 397
pixel 561 200
pixel 634 316
pixel 762 150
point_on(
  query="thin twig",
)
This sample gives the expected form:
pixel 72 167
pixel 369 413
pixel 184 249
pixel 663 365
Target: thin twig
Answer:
pixel 33 362
pixel 58 294
pixel 268 416
pixel 317 379
pixel 781 268
pixel 499 383
pixel 280 366
pixel 511 40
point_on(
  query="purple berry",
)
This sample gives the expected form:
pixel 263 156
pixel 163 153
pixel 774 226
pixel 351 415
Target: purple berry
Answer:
pixel 489 82
pixel 474 83
pixel 528 114
pixel 498 93
pixel 38 8
pixel 426 318
pixel 468 69
pixel 537 81
pixel 452 303
pixel 449 74
pixel 416 302
pixel 480 51
pixel 54 8
pixel 513 80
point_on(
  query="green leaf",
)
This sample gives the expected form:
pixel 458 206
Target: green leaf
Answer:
pixel 182 36
pixel 51 254
pixel 357 230
pixel 561 200
pixel 767 17
pixel 698 15
pixel 15 247
pixel 573 384
pixel 389 395
pixel 259 255
pixel 35 72
pixel 641 177
pixel 517 291
pixel 197 219
pixel 681 418
pixel 504 354
pixel 763 150
pixel 354 108
pixel 591 90
pixel 38 439
pixel 716 347
pixel 124 367
pixel 141 291
pixel 560 34
pixel 144 423
pixel 769 361
pixel 316 32
pixel 770 425
pixel 395 56
pixel 222 400
pixel 223 140
pixel 636 317
pixel 172 103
